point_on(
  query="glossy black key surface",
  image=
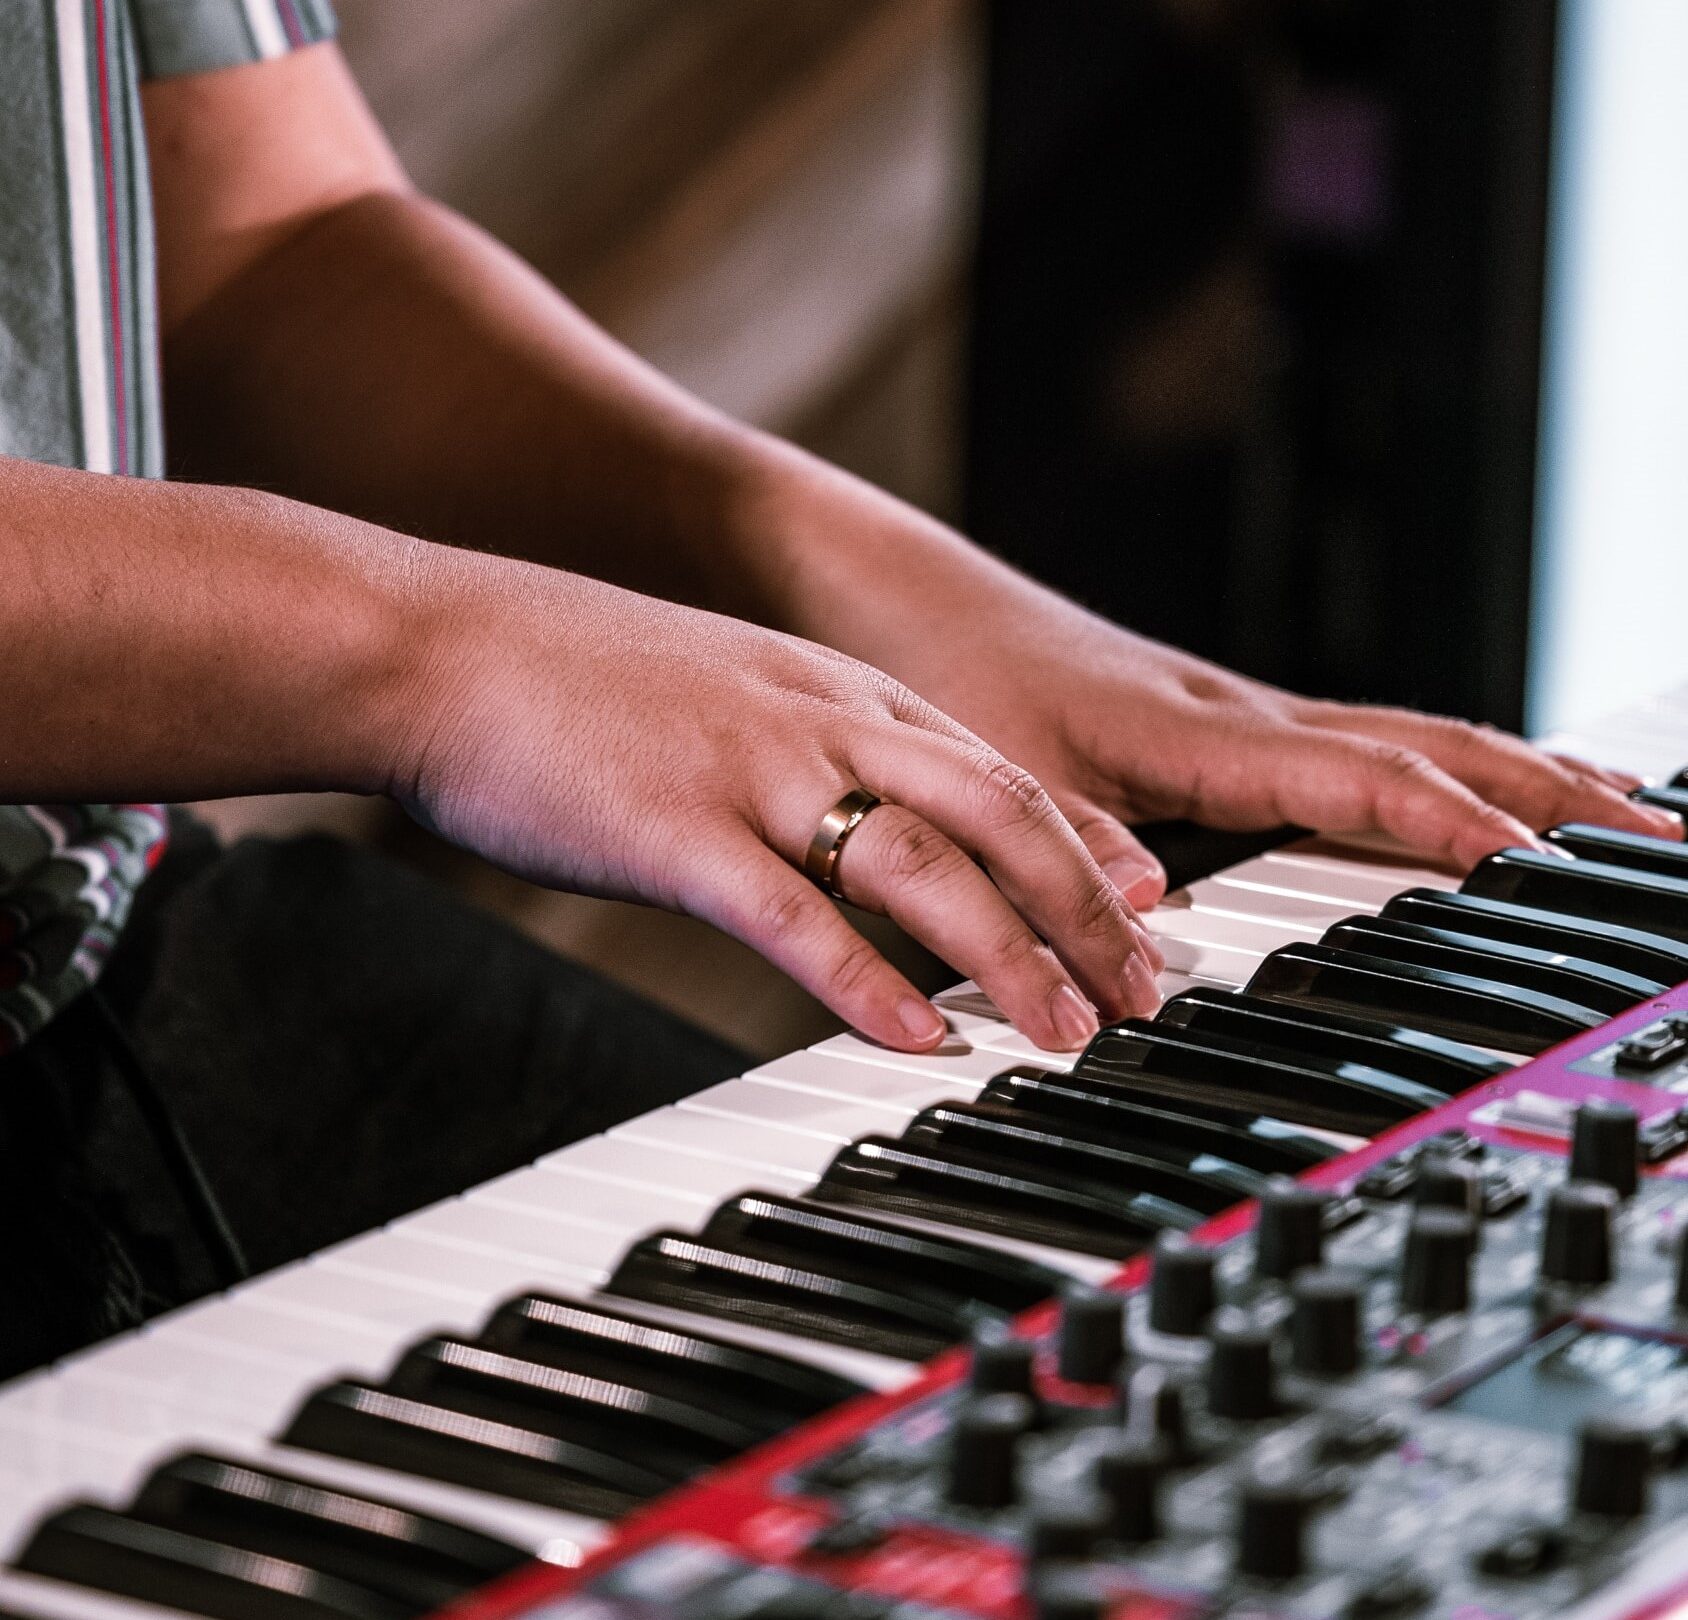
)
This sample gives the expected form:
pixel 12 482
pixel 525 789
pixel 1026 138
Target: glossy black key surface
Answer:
pixel 1651 956
pixel 659 1433
pixel 1454 1004
pixel 753 1386
pixel 370 1425
pixel 1259 1141
pixel 1667 857
pixel 93 1547
pixel 1615 894
pixel 930 1182
pixel 1449 1067
pixel 999 1140
pixel 1574 979
pixel 683 1271
pixel 1674 799
pixel 1181 1065
pixel 407 1556
pixel 798 1231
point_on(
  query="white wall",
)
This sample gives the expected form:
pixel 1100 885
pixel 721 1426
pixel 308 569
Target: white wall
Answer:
pixel 1610 608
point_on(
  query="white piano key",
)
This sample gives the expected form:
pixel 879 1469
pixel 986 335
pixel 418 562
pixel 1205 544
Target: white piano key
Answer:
pixel 570 1195
pixel 1372 886
pixel 525 1236
pixel 301 1339
pixel 35 1598
pixel 830 1076
pixel 755 1148
pixel 836 1120
pixel 1221 897
pixel 220 1380
pixel 963 1058
pixel 647 1165
pixel 1654 758
pixel 1179 920
pixel 479 1275
pixel 398 1307
pixel 1213 964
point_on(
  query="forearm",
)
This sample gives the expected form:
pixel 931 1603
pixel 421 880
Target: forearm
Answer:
pixel 169 641
pixel 390 360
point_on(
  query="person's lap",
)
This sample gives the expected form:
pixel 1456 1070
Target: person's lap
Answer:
pixel 340 1039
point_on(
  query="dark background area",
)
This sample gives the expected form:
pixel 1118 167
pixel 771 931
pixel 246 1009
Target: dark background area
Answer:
pixel 1256 321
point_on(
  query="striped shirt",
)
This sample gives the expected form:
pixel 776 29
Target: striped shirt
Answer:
pixel 79 383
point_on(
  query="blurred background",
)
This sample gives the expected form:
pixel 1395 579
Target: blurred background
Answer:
pixel 1335 341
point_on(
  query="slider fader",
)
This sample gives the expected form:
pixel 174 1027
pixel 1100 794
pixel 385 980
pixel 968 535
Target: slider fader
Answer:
pixel 1444 1376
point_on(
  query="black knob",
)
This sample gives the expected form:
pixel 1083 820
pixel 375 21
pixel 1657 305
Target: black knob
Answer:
pixel 1682 1270
pixel 1576 1244
pixel 1605 1145
pixel 1067 1528
pixel 984 1452
pixel 1436 1262
pixel 1092 1339
pixel 1152 1409
pixel 1068 1594
pixel 1291 1229
pixel 1181 1289
pixel 1130 1473
pixel 1002 1365
pixel 1614 1467
pixel 1240 1378
pixel 1446 1183
pixel 1272 1519
pixel 1325 1322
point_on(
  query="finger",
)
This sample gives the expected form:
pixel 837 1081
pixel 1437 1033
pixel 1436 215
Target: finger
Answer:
pixel 1338 782
pixel 778 912
pixel 899 864
pixel 1134 872
pixel 1623 781
pixel 1506 771
pixel 999 814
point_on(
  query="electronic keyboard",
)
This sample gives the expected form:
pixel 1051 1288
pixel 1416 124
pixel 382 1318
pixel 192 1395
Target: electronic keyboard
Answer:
pixel 1351 1284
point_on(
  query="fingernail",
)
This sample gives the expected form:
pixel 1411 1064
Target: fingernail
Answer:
pixel 922 1020
pixel 1142 884
pixel 1073 1017
pixel 1150 947
pixel 1667 821
pixel 1141 990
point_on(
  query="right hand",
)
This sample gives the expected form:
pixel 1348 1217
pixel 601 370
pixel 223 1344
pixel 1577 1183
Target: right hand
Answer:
pixel 592 739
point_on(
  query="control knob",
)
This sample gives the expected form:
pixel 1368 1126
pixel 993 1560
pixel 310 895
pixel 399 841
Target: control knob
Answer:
pixel 1290 1232
pixel 1577 1234
pixel 1273 1514
pixel 1605 1145
pixel 1614 1467
pixel 1130 1473
pixel 1181 1289
pixel 1092 1337
pixel 1325 1322
pixel 1436 1262
pixel 1240 1376
pixel 984 1451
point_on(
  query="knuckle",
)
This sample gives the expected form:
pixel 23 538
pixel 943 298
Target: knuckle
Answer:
pixel 852 971
pixel 1099 913
pixel 783 914
pixel 1010 792
pixel 918 853
pixel 1400 766
pixel 1017 950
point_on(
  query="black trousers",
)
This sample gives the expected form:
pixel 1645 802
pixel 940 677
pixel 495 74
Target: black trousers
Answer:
pixel 340 1040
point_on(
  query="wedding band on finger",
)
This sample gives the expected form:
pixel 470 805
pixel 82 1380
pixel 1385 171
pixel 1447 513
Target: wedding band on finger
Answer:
pixel 820 862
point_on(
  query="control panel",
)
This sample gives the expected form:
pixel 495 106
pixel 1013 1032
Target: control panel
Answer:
pixel 1442 1378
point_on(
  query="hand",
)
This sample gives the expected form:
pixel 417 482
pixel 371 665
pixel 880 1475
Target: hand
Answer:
pixel 1119 729
pixel 592 739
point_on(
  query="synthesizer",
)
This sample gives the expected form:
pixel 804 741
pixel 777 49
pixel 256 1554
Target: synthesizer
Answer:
pixel 1354 1284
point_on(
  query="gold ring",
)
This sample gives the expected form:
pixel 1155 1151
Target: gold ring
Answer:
pixel 821 860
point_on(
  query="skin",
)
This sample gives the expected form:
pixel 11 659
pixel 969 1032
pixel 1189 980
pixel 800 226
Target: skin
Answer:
pixel 581 623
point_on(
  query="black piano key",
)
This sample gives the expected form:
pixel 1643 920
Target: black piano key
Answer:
pixel 997 1140
pixel 930 1182
pixel 1574 979
pixel 660 1434
pixel 1459 1005
pixel 1665 857
pixel 409 1557
pixel 1585 888
pixel 1164 1061
pixel 752 1386
pixel 369 1425
pixel 1651 956
pixel 96 1549
pixel 1259 1141
pixel 711 1279
pixel 1674 799
pixel 799 1232
pixel 1446 1066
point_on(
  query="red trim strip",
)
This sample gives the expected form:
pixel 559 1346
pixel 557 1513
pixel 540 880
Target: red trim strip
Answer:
pixel 120 426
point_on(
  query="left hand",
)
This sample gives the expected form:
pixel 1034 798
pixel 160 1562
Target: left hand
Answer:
pixel 1119 728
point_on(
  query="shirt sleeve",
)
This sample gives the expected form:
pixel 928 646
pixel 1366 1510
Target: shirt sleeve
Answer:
pixel 195 36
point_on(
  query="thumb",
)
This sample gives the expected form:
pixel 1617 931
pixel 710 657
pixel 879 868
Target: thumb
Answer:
pixel 1139 877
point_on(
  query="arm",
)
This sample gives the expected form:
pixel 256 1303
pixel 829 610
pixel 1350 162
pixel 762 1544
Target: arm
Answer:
pixel 334 335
